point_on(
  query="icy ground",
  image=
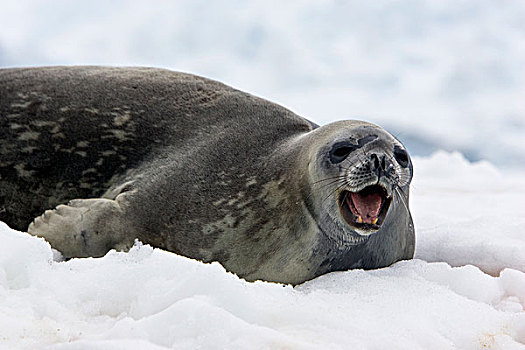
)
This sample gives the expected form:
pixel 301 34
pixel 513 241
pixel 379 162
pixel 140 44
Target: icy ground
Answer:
pixel 467 215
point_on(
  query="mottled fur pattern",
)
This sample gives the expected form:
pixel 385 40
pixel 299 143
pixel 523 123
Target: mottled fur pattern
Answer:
pixel 182 163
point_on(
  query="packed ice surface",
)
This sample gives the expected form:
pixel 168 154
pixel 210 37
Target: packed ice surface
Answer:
pixel 466 215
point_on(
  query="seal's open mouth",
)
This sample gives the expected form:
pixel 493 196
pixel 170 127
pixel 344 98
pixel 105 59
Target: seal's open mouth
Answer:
pixel 365 209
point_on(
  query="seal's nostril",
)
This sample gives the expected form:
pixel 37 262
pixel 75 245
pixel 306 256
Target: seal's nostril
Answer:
pixel 375 161
pixel 380 165
pixel 383 162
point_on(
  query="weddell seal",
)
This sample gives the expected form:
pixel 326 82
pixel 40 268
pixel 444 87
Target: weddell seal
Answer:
pixel 92 158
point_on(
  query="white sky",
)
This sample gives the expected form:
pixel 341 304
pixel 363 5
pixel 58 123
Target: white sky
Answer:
pixel 440 74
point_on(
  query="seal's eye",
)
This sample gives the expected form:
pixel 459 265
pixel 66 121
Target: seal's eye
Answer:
pixel 401 156
pixel 340 151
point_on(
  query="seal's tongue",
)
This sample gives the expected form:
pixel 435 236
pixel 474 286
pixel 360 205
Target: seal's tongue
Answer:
pixel 366 206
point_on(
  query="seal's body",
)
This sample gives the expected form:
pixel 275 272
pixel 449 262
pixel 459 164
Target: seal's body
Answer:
pixel 198 168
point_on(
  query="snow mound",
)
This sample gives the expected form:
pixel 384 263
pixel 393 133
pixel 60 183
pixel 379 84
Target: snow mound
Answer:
pixel 152 299
pixel 468 213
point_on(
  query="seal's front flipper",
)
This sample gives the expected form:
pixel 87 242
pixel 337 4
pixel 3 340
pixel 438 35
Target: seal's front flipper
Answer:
pixel 84 227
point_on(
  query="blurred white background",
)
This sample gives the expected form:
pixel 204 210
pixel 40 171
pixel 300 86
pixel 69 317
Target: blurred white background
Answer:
pixel 438 74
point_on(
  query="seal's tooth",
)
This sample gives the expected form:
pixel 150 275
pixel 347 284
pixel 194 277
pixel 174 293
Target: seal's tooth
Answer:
pixel 374 221
pixel 359 219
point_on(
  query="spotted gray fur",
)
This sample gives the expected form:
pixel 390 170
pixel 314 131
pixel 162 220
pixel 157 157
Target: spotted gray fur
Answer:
pixel 189 165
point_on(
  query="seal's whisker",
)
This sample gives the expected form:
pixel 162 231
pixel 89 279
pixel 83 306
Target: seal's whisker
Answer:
pixel 332 192
pixel 401 196
pixel 328 178
pixel 403 179
pixel 326 185
pixel 334 179
pixel 330 184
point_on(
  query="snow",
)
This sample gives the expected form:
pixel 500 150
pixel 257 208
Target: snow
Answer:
pixel 468 215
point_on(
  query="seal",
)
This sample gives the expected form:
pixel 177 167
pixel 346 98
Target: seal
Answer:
pixel 195 167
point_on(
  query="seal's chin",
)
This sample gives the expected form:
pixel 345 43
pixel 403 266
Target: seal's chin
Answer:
pixel 365 210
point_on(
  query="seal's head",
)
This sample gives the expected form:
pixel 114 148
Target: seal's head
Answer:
pixel 360 174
